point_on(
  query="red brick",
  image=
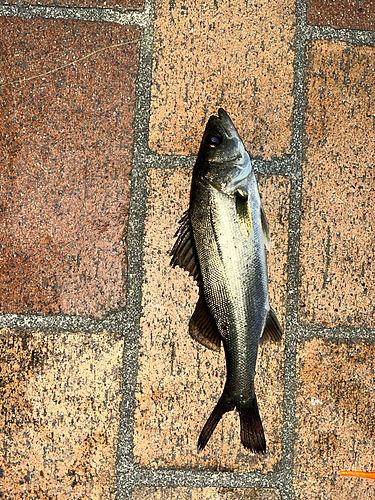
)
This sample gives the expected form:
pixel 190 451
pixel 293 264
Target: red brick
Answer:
pixel 66 142
pixel 355 14
pixel 107 4
pixel 179 381
pixel 335 428
pixel 59 415
pixel 236 55
pixel 337 274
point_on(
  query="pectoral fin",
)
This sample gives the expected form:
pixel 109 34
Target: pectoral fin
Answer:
pixel 184 253
pixel 272 330
pixel 243 212
pixel 202 327
pixel 265 228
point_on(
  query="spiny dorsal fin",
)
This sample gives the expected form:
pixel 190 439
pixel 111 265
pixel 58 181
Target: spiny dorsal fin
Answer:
pixel 202 327
pixel 272 330
pixel 183 252
pixel 266 228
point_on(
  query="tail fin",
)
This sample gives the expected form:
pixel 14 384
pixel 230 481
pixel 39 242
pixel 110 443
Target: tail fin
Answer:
pixel 223 405
pixel 252 434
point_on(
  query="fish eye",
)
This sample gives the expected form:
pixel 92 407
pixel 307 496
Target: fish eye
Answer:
pixel 213 140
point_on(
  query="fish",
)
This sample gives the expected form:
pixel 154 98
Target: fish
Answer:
pixel 221 241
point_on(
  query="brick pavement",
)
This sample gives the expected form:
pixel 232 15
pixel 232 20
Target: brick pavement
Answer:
pixel 102 108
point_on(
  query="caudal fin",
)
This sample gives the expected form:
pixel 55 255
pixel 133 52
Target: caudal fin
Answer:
pixel 222 407
pixel 252 434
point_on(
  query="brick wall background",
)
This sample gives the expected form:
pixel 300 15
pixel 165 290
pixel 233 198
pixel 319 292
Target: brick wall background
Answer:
pixel 103 104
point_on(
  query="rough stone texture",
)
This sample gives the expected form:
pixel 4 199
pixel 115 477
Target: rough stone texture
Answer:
pixel 105 4
pixel 237 55
pixel 59 417
pixel 334 420
pixel 355 14
pixel 337 275
pixel 66 144
pixel 179 381
pixel 143 493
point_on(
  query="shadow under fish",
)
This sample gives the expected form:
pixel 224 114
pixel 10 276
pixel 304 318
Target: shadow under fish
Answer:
pixel 221 242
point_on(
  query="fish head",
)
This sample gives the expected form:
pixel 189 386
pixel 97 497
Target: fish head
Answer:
pixel 222 159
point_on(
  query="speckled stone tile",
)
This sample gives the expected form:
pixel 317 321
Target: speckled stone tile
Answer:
pixel 237 55
pixel 105 4
pixel 334 420
pixel 143 493
pixel 66 142
pixel 59 417
pixel 355 14
pixel 179 381
pixel 337 274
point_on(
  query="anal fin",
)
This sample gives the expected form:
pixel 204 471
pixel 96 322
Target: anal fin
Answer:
pixel 272 330
pixel 202 327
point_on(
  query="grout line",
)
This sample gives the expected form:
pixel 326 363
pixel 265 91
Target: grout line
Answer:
pixel 137 214
pixel 114 323
pixel 288 437
pixel 337 333
pixel 139 18
pixel 201 479
pixel 62 323
pixel 358 37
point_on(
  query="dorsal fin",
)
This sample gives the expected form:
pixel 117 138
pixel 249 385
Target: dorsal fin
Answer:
pixel 184 253
pixel 265 228
pixel 202 326
pixel 272 330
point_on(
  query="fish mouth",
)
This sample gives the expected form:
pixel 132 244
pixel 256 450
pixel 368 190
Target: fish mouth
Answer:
pixel 225 122
pixel 224 117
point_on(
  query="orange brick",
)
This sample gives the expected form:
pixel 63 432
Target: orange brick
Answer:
pixel 237 55
pixel 337 274
pixel 59 418
pixel 143 493
pixel 179 381
pixel 334 419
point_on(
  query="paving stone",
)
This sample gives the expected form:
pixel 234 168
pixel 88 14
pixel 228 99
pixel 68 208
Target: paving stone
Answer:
pixel 237 55
pixel 179 381
pixel 105 4
pixel 337 275
pixel 66 142
pixel 143 493
pixel 334 419
pixel 355 14
pixel 59 416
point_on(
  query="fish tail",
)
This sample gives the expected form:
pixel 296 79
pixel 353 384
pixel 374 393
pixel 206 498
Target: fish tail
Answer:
pixel 223 406
pixel 252 434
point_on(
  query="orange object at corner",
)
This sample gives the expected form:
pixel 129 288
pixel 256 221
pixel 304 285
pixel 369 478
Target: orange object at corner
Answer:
pixel 357 473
